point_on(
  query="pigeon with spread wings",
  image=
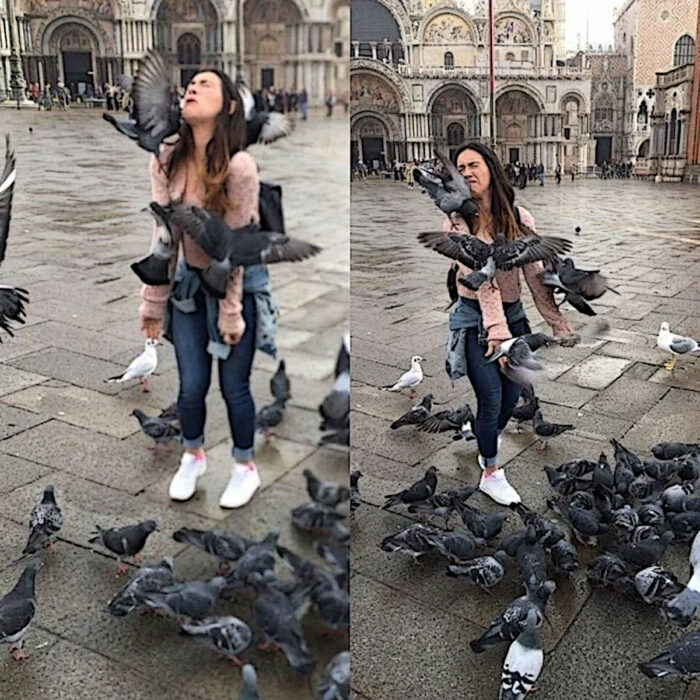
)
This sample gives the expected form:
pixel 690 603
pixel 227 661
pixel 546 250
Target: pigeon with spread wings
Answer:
pixel 12 299
pixel 229 247
pixel 486 259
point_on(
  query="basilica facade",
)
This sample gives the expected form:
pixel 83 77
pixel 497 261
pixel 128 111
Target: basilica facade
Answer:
pixel 419 81
pixel 290 44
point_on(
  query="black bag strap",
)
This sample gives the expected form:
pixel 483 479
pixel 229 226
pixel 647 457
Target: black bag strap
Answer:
pixel 270 207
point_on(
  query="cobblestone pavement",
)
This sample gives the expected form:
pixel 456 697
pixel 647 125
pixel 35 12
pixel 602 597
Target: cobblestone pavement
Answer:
pixel 411 625
pixel 77 225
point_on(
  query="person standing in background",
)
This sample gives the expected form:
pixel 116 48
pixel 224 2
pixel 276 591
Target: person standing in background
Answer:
pixel 304 104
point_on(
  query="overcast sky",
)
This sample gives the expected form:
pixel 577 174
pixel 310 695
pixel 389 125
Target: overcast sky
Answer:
pixel 600 18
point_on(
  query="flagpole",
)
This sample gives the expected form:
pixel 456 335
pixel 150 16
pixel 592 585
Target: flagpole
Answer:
pixel 492 78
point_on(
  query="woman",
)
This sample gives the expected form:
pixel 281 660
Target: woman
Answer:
pixel 484 319
pixel 207 167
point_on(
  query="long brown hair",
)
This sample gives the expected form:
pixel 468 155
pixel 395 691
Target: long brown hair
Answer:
pixel 229 138
pixel 502 193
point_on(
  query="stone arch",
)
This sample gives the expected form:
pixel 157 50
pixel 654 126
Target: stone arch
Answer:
pixel 443 87
pixel 575 94
pixel 643 150
pixel 370 91
pixel 48 31
pixel 521 87
pixel 358 119
pixel 361 8
pixel 374 67
pixel 183 9
pixel 436 12
pixel 523 31
pixel 451 105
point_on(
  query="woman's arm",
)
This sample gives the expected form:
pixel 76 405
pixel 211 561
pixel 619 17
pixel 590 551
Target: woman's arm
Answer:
pixel 243 186
pixel 155 298
pixel 543 295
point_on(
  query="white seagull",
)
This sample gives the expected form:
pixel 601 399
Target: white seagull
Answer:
pixel 141 367
pixel 410 379
pixel 675 344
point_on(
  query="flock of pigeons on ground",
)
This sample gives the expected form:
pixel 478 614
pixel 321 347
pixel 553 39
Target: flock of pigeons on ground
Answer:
pixel 635 509
pixel 244 565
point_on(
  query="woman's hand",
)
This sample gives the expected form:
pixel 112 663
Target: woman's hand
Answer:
pixel 151 327
pixel 568 341
pixel 232 338
pixel 493 346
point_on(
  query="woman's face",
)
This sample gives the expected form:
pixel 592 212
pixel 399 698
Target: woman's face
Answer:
pixel 472 165
pixel 203 99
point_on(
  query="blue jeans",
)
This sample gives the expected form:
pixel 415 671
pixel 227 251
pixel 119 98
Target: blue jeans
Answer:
pixel 191 338
pixel 496 395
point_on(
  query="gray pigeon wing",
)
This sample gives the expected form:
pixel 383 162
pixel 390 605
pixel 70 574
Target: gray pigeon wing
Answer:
pixel 6 197
pixel 530 249
pixel 466 249
pixel 152 92
pixel 15 615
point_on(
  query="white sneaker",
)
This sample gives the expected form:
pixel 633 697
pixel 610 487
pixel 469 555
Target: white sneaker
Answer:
pixel 480 459
pixel 497 488
pixel 184 483
pixel 244 482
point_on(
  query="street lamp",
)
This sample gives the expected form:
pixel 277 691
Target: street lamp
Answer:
pixel 17 82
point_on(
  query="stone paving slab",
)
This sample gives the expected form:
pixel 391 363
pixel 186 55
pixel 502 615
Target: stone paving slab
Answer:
pixel 614 386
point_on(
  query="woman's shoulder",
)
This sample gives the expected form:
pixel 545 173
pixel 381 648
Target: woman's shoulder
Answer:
pixel 526 218
pixel 242 164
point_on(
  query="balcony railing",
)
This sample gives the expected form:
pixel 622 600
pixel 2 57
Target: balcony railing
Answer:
pixel 503 70
pixel 675 75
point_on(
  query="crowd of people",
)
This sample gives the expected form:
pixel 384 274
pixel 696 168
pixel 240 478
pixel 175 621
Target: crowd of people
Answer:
pixel 616 170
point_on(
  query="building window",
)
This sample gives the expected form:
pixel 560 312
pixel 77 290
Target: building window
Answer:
pixel 510 56
pixel 684 50
pixel 339 49
pixel 449 60
pixel 642 114
pixel 671 149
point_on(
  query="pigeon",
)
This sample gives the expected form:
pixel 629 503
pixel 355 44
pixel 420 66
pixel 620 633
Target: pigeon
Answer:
pixel 682 658
pixel 565 484
pixel 674 497
pixel 585 284
pixel 417 415
pixel 546 530
pixel 149 578
pixel 259 557
pixel 626 519
pixel 577 467
pixel 480 523
pixel 442 504
pixel 249 684
pixel 656 585
pixel 262 126
pixel 486 572
pixel 12 299
pixel 154 269
pixel 17 610
pixel 141 367
pixel 525 411
pixel 276 615
pixel 662 471
pixel 675 344
pixel 460 420
pixel 160 430
pixel 603 475
pixel 227 635
pixel 651 514
pixel 156 116
pixel 564 557
pixel 193 600
pixel 531 561
pixel 672 450
pixel 410 379
pixel 546 431
pixel 643 487
pixel 355 476
pixel 584 524
pixel 340 439
pixel 229 248
pixel 335 409
pixel 522 366
pixel 523 663
pixel 339 558
pixel 448 189
pixel 626 458
pixel 125 541
pixel 226 545
pixel 413 540
pixel 314 517
pixel 171 413
pixel 280 386
pixel 534 341
pixel 514 619
pixel 645 553
pixel 606 570
pixel 456 546
pixel 451 284
pixel 486 259
pixel 269 417
pixel 45 523
pixel 685 525
pixel 326 493
pixel 335 682
pixel 421 490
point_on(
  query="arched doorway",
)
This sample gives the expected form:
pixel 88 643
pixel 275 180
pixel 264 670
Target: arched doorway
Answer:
pixel 453 109
pixel 274 35
pixel 189 32
pixel 516 127
pixel 371 138
pixel 77 48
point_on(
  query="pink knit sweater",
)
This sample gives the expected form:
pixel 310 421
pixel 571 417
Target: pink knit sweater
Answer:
pixel 506 288
pixel 243 190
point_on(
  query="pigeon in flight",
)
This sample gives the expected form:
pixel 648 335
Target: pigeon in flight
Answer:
pixel 262 126
pixel 675 344
pixel 12 299
pixel 17 610
pixel 417 415
pixel 522 366
pixel 125 541
pixel 486 259
pixel 448 189
pixel 228 248
pixel 154 269
pixel 460 420
pixel 141 367
pixel 409 380
pixel 45 523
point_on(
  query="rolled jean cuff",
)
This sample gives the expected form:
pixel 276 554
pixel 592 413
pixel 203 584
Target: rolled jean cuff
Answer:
pixel 490 461
pixel 243 455
pixel 192 444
